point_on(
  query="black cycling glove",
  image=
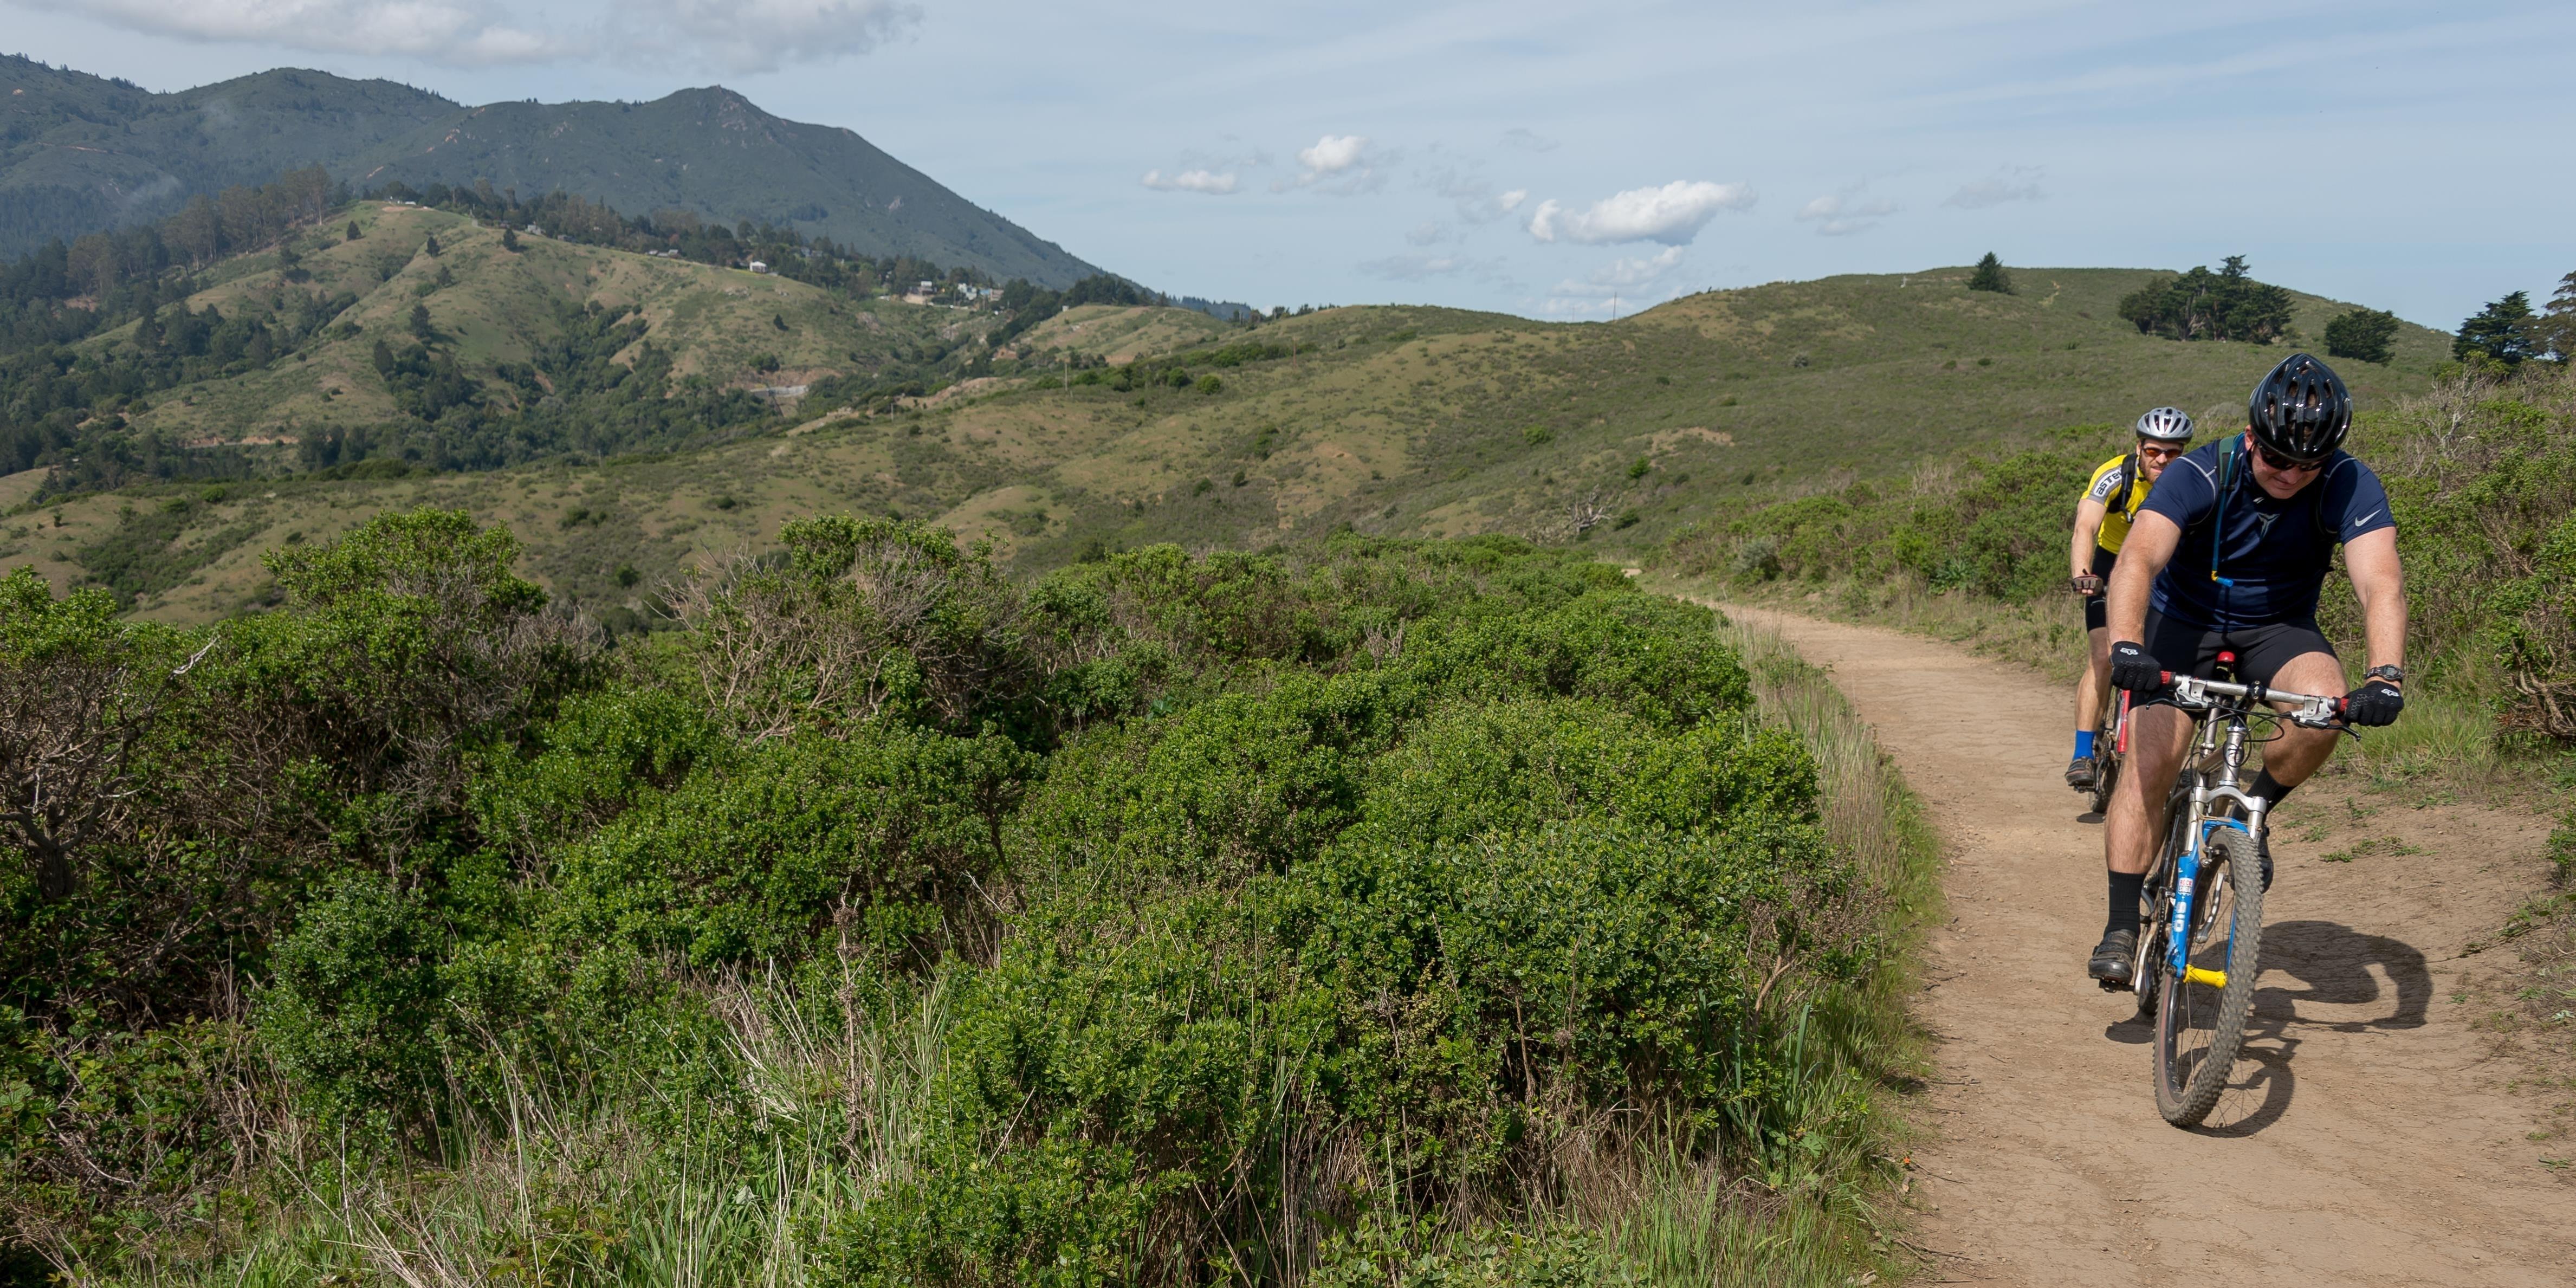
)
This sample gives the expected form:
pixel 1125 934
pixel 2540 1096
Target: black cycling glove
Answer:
pixel 2135 669
pixel 2376 702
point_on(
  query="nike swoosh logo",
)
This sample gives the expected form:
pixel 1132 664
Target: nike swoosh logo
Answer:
pixel 2365 518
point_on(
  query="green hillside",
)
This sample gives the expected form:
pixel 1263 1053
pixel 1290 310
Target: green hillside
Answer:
pixel 79 154
pixel 502 306
pixel 1398 421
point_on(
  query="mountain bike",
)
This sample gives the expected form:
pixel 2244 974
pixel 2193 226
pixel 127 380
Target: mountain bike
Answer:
pixel 2202 926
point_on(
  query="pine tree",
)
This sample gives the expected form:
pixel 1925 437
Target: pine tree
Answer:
pixel 2504 331
pixel 431 246
pixel 1990 276
pixel 509 239
pixel 353 231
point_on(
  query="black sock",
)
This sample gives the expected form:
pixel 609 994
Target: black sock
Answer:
pixel 2270 788
pixel 2126 887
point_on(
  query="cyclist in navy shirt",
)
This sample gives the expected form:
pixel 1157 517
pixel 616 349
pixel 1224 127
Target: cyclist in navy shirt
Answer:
pixel 2230 553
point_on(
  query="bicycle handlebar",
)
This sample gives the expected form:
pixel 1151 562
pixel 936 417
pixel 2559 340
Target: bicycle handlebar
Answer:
pixel 2313 711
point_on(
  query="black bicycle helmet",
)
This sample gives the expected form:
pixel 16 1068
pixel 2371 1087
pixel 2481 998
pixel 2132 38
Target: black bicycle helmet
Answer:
pixel 2300 411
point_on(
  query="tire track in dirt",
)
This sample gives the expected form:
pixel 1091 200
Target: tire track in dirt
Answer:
pixel 2367 1137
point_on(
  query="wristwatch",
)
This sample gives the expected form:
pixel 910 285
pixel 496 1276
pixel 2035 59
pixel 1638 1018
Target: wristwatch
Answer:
pixel 2392 674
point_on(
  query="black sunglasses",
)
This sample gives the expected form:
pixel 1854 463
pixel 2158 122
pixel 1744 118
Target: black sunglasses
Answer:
pixel 2280 462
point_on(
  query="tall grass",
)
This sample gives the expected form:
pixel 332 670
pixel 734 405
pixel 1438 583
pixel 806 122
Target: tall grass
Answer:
pixel 560 1188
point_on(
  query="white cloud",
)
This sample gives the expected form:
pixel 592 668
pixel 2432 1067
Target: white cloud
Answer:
pixel 449 31
pixel 1331 154
pixel 720 35
pixel 743 36
pixel 1527 141
pixel 1199 181
pixel 1428 233
pixel 1846 213
pixel 2011 183
pixel 1623 284
pixel 1672 214
pixel 1411 268
pixel 1477 201
pixel 1423 264
pixel 1341 165
pixel 1624 276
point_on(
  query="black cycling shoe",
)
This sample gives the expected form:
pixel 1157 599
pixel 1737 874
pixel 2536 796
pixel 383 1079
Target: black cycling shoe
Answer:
pixel 2080 772
pixel 2114 960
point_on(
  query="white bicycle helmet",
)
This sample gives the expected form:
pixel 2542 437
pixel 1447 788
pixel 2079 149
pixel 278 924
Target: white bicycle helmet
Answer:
pixel 2165 425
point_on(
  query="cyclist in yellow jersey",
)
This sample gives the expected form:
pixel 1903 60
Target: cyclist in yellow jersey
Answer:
pixel 2118 489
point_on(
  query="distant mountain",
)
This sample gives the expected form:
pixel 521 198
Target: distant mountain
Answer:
pixel 79 153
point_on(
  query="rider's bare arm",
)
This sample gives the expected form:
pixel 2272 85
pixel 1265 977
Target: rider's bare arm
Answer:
pixel 2147 549
pixel 2371 558
pixel 2088 530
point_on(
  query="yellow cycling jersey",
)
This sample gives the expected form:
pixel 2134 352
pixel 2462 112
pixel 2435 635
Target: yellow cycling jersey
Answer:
pixel 2120 485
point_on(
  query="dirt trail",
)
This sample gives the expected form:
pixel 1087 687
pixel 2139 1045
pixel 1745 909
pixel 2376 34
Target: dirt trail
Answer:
pixel 2369 1138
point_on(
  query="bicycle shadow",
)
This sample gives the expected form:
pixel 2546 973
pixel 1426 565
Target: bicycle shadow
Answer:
pixel 2332 964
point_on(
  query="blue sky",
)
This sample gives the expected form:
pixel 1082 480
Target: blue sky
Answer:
pixel 1560 160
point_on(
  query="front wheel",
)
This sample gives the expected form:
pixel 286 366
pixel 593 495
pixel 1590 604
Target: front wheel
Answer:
pixel 2200 1016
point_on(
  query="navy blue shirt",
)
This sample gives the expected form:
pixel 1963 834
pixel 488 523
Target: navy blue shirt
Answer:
pixel 2272 555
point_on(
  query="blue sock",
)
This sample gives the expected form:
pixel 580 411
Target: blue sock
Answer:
pixel 2083 743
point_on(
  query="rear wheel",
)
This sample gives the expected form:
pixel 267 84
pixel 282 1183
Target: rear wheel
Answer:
pixel 2200 1021
pixel 2106 770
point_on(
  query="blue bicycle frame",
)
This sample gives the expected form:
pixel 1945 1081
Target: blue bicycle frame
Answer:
pixel 2186 885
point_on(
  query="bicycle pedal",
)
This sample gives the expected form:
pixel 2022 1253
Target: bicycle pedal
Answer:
pixel 2113 985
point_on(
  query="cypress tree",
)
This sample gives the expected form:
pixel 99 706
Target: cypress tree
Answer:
pixel 1990 276
pixel 2363 334
pixel 2502 331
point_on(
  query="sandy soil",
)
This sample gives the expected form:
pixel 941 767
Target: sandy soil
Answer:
pixel 2370 1136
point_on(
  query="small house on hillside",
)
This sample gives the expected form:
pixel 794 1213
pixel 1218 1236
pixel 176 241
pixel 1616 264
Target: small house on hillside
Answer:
pixel 757 266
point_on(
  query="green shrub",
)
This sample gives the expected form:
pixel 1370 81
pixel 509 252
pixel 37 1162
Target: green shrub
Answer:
pixel 863 618
pixel 353 1005
pixel 1478 768
pixel 1070 932
pixel 875 837
pixel 1239 784
pixel 1060 1212
pixel 601 754
pixel 1601 959
pixel 1655 658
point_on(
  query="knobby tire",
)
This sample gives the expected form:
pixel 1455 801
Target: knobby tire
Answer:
pixel 2106 777
pixel 2189 1081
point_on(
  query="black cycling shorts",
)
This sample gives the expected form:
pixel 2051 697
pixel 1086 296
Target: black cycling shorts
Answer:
pixel 2097 607
pixel 2261 651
